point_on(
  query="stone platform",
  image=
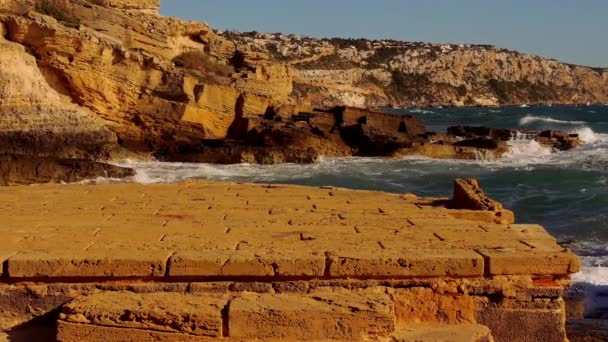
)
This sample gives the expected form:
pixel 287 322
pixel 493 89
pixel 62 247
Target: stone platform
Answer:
pixel 205 260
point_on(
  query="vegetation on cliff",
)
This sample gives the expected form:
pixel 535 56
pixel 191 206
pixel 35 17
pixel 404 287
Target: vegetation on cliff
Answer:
pixel 57 13
pixel 380 73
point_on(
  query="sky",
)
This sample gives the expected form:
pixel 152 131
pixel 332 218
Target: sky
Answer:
pixel 573 31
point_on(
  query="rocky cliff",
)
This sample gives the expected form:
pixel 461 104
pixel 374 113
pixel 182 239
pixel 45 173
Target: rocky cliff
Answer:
pixel 154 81
pixel 101 79
pixel 366 73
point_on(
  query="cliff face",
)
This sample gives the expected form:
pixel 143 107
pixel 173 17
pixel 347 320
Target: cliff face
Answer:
pixel 391 73
pixel 154 81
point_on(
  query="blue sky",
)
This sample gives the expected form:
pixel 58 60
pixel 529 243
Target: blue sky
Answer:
pixel 569 30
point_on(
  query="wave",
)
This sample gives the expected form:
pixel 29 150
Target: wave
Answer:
pixel 523 153
pixel 588 136
pixel 529 119
pixel 420 111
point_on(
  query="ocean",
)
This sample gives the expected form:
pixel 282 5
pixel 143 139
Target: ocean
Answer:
pixel 566 192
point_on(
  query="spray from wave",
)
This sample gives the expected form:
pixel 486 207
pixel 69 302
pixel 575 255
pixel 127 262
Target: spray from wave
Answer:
pixel 587 135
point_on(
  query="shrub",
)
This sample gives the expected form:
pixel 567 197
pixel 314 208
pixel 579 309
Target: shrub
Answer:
pixel 505 91
pixel 57 13
pixel 371 79
pixel 411 85
pixel 238 60
pixel 199 61
pixel 383 55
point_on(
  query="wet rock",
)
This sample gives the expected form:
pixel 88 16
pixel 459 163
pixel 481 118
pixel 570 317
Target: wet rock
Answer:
pixel 485 143
pixel 560 140
pixel 15 170
pixel 473 132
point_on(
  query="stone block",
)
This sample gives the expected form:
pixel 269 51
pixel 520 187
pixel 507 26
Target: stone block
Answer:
pixel 423 305
pixel 519 322
pixel 510 261
pixel 76 332
pixel 166 312
pixel 408 263
pixel 319 316
pixel 94 264
pixel 199 263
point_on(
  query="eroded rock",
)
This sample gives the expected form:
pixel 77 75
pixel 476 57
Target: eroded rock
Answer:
pixel 16 170
pixel 468 195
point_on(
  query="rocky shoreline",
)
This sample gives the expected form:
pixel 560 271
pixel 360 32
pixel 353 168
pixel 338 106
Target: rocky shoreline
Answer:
pixel 87 82
pixel 105 80
pixel 300 138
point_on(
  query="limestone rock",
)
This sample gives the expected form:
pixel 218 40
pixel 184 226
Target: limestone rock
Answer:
pixel 366 73
pixel 468 195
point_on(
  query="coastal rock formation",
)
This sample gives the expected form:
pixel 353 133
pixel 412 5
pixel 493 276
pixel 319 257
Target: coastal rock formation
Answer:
pixel 103 79
pixel 155 81
pixel 37 120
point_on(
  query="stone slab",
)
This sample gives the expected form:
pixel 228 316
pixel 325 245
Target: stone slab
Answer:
pixel 165 312
pixel 111 263
pixel 322 315
pixel 509 261
pixel 443 333
pixel 407 263
pixel 212 229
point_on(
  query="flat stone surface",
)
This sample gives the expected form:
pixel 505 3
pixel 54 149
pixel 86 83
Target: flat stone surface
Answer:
pixel 214 230
pixel 322 315
pixel 444 333
pixel 166 312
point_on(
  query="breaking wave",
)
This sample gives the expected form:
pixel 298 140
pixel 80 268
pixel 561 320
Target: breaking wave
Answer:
pixel 588 136
pixel 529 119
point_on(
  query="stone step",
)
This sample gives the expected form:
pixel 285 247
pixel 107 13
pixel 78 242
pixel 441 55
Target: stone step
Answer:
pixel 444 333
pixel 320 315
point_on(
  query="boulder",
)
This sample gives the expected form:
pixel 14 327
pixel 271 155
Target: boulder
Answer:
pixel 559 140
pixel 482 143
pixel 485 132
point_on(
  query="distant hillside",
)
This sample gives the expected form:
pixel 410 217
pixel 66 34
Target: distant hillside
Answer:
pixel 376 73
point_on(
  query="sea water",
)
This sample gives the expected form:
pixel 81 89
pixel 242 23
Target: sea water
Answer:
pixel 567 192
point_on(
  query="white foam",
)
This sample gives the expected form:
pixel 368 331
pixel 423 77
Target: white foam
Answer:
pixel 524 150
pixel 528 119
pixel 592 275
pixel 587 135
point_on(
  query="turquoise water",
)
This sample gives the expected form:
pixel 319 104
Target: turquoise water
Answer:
pixel 567 192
